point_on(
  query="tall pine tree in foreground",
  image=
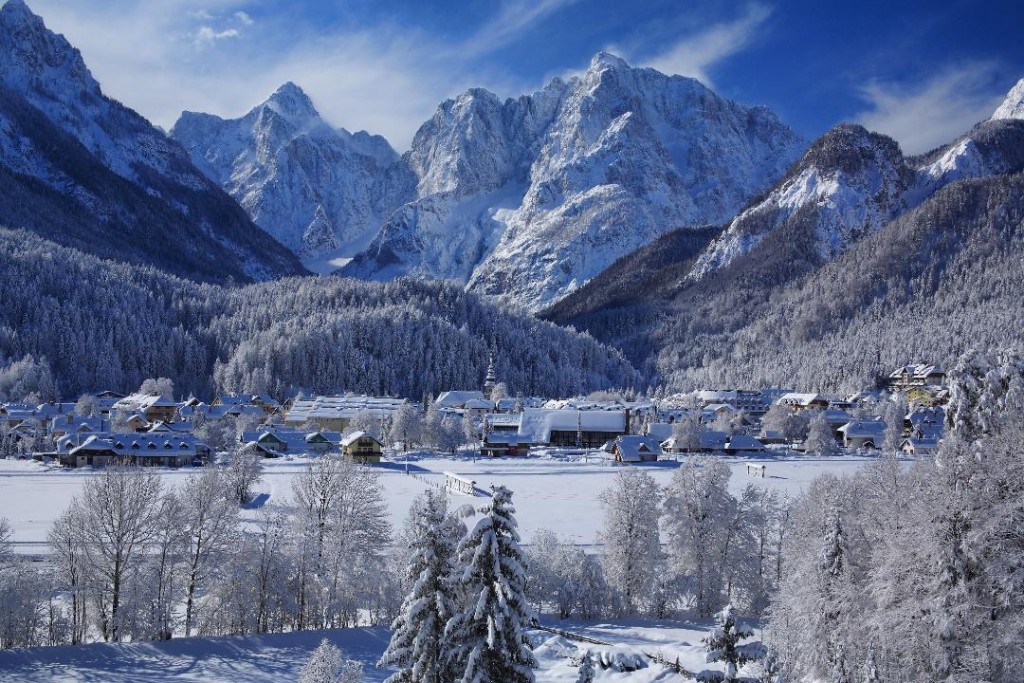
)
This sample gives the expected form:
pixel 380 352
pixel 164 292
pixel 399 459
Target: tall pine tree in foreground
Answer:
pixel 487 641
pixel 416 641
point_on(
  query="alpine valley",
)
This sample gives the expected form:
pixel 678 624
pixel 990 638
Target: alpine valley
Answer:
pixel 694 237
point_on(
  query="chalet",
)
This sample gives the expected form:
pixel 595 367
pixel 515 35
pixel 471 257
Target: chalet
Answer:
pixel 137 423
pixel 920 447
pixel 710 441
pixel 741 443
pixel 74 424
pixel 362 448
pixel 916 375
pixel 266 404
pixel 750 402
pixel 152 408
pixel 863 434
pixel 336 412
pixel 798 401
pixel 158 450
pixel 567 428
pixel 496 444
pixel 632 448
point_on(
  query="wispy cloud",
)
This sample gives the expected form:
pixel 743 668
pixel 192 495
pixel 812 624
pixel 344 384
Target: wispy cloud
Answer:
pixel 922 116
pixel 514 18
pixel 693 55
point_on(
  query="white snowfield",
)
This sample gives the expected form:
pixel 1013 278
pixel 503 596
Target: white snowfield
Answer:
pixel 551 491
pixel 280 657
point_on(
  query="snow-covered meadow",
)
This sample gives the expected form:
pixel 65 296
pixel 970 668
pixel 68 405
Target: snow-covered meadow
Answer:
pixel 552 491
pixel 279 657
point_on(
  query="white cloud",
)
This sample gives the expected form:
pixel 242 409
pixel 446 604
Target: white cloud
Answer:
pixel 693 55
pixel 206 34
pixel 244 18
pixel 922 116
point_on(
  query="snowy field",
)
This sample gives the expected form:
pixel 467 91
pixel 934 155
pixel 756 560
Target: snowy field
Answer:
pixel 278 658
pixel 556 492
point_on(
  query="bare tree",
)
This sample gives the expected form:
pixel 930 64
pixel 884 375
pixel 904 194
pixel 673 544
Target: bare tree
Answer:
pixel 210 523
pixel 118 511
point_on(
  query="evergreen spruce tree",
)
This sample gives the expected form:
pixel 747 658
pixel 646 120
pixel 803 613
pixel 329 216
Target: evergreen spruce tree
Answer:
pixel 723 645
pixel 418 631
pixel 586 668
pixel 487 641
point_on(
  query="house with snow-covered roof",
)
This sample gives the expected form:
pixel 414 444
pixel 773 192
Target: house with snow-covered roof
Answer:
pixel 334 413
pixel 153 408
pixel 863 434
pixel 362 448
pixel 632 449
pixel 916 375
pixel 568 428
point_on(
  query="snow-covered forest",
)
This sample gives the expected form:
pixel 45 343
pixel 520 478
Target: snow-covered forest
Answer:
pixel 77 323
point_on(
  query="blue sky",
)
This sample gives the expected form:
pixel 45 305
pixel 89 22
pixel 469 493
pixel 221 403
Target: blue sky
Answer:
pixel 920 71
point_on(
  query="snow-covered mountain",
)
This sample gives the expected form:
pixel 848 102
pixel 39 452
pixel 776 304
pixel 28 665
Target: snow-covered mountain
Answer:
pixel 526 199
pixel 851 182
pixel 1013 106
pixel 84 170
pixel 322 192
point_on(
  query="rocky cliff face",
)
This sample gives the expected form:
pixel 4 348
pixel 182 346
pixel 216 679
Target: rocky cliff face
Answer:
pixel 84 170
pixel 322 192
pixel 529 198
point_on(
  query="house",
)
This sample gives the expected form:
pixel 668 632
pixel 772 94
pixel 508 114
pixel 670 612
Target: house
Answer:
pixel 568 428
pixel 863 434
pixel 336 412
pixel 137 423
pixel 152 408
pixel 798 401
pixel 660 430
pixel 741 443
pixel 633 448
pixel 362 448
pixel 710 441
pixel 916 375
pixel 750 402
pixel 456 400
pixel 496 444
pixel 158 449
pixel 919 447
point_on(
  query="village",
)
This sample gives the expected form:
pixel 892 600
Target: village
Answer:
pixel 151 429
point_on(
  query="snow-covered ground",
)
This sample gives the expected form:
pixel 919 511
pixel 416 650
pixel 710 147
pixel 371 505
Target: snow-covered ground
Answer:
pixel 553 491
pixel 279 657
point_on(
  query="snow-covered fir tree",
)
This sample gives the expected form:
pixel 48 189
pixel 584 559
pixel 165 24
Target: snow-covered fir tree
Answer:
pixel 724 647
pixel 417 638
pixel 586 674
pixel 486 640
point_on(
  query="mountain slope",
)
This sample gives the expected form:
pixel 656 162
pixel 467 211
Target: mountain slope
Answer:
pixel 527 199
pixel 318 334
pixel 81 169
pixel 839 277
pixel 322 192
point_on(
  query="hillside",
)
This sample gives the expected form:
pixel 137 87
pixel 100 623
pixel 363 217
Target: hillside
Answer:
pixel 322 335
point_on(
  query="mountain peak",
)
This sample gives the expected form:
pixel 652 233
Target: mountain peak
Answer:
pixel 17 8
pixel 1013 106
pixel 291 101
pixel 606 60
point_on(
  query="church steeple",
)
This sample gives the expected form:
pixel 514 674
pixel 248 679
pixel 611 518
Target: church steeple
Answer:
pixel 492 378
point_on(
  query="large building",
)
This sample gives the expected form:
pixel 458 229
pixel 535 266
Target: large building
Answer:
pixel 335 413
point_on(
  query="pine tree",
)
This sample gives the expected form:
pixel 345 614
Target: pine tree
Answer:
pixel 487 641
pixel 418 631
pixel 586 668
pixel 723 644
